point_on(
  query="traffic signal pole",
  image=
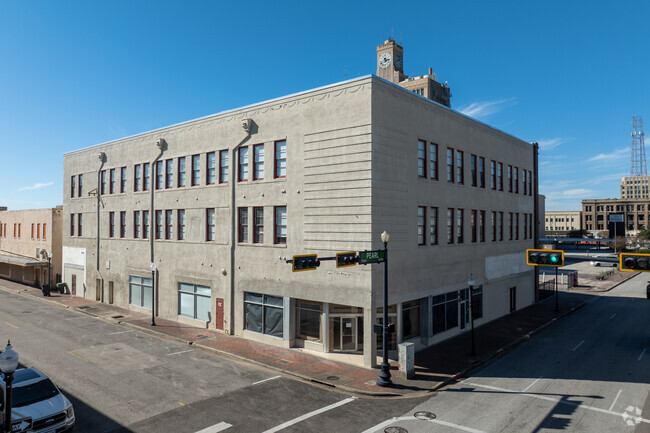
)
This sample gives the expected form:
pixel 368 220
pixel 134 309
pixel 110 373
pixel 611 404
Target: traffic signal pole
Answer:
pixel 557 307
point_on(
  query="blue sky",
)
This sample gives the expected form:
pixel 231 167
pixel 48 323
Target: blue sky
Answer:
pixel 73 74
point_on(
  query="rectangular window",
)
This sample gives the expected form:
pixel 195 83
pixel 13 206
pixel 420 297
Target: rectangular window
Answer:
pixel 123 180
pixel 481 172
pixel 308 320
pixel 493 175
pixel 81 184
pixel 243 225
pixel 169 173
pixel 523 173
pixel 517 226
pixel 481 226
pixel 44 231
pixel 422 158
pixel 71 226
pixel 158 168
pixel 433 226
pixel 258 225
pixel 472 163
pixel 510 178
pixel 450 226
pixel 263 314
pixel 500 226
pixel 422 215
pixel 159 224
pixel 137 177
pixel 194 301
pixel 477 302
pixel 472 219
pixel 146 176
pixel 445 312
pixel 145 224
pixel 433 161
pixel 210 168
pixel 136 224
pixel 530 227
pixel 410 320
pixel 111 180
pixel 38 231
pixel 530 183
pixel 111 224
pixel 140 291
pixel 450 165
pixel 242 168
pixel 280 229
pixel 500 175
pixel 33 230
pixel 102 188
pixel 223 166
pixel 459 226
pixel 281 158
pixel 122 224
pixel 494 226
pixel 510 220
pixel 181 172
pixel 460 167
pixel 210 224
pixel 258 161
pixel 196 170
pixel 516 179
pixel 72 188
pixel 525 226
pixel 168 224
pixel 180 230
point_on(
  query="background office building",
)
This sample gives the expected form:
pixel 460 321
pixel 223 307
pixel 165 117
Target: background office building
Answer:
pixel 596 214
pixel 560 223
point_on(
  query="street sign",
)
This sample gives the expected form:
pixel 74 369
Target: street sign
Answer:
pixel 367 257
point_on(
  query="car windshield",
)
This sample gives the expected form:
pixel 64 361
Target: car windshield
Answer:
pixel 35 392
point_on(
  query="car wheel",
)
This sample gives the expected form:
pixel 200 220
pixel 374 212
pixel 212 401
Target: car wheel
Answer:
pixel 597 264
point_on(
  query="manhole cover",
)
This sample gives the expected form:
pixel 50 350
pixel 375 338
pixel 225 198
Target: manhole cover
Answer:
pixel 332 378
pixel 283 361
pixel 424 415
pixel 395 430
pixel 201 336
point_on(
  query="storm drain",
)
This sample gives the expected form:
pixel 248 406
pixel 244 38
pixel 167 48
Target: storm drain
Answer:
pixel 332 378
pixel 395 430
pixel 283 361
pixel 424 415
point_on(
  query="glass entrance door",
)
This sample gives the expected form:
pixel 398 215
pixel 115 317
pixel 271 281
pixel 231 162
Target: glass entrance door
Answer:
pixel 344 333
pixel 348 334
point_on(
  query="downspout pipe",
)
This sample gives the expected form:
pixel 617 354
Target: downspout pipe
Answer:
pixel 536 211
pixel 247 124
pixel 102 158
pixel 152 185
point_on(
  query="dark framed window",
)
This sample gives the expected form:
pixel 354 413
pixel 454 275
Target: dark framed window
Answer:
pixel 181 172
pixel 500 226
pixel 517 226
pixel 280 226
pixel 210 168
pixel 72 188
pixel 433 226
pixel 169 224
pixel 158 168
pixel 137 177
pixel 258 162
pixel 477 302
pixel 500 175
pixel 280 158
pixel 510 220
pixel 510 178
pixel 243 225
pixel 210 224
pixel 123 180
pixel 122 224
pixel 524 177
pixel 472 221
pixel 494 226
pixel 169 173
pixel 410 319
pixel 530 183
pixel 493 175
pixel 180 229
pixel 422 159
pixel 481 172
pixel 242 166
pixel 422 217
pixel 460 167
pixel 196 170
pixel 111 224
pixel 444 312
pixel 102 188
pixel 515 176
pixel 159 224
pixel 258 225
pixel 530 226
pixel 136 224
pixel 223 166
pixel 450 226
pixel 146 176
pixel 194 301
pixel 525 226
pixel 308 320
pixel 459 226
pixel 481 226
pixel 111 180
pixel 145 224
pixel 433 161
pixel 264 314
pixel 473 167
pixel 71 226
pixel 450 164
pixel 81 184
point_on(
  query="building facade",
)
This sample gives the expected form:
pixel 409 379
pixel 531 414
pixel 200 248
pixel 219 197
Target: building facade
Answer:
pixel 27 237
pixel 635 187
pixel 560 223
pixel 219 205
pixel 596 213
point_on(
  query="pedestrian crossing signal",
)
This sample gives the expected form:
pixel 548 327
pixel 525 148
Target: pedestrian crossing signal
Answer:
pixel 307 262
pixel 545 257
pixel 634 262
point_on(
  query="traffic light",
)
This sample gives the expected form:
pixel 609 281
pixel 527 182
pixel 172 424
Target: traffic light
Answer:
pixel 634 262
pixel 307 262
pixel 346 259
pixel 545 257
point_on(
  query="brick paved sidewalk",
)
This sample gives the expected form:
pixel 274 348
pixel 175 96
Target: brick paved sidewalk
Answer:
pixel 435 366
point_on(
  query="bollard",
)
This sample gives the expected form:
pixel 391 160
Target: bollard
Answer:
pixel 406 360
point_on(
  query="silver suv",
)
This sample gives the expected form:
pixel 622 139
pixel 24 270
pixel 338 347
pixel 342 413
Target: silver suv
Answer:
pixel 37 404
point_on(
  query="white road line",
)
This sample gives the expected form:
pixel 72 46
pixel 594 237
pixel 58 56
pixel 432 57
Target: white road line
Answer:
pixel 579 344
pixel 121 332
pixel 216 428
pixel 612 316
pixel 531 385
pixel 265 380
pixel 310 414
pixel 559 401
pixel 178 353
pixel 641 356
pixel 614 402
pixel 380 427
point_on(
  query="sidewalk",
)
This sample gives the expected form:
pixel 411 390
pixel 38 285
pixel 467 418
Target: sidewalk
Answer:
pixel 435 366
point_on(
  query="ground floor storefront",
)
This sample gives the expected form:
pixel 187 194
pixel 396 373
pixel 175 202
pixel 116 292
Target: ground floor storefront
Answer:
pixel 23 270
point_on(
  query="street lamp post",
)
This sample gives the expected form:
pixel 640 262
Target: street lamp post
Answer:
pixel 8 364
pixel 384 374
pixel 49 262
pixel 153 293
pixel 471 282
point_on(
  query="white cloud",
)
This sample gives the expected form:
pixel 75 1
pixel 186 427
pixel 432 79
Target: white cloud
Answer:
pixel 582 193
pixel 35 186
pixel 617 154
pixel 551 143
pixel 485 108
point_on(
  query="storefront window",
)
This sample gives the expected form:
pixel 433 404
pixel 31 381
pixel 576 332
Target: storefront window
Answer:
pixel 194 301
pixel 264 314
pixel 140 291
pixel 308 320
pixel 410 320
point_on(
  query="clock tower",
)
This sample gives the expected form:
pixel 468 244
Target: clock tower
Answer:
pixel 390 61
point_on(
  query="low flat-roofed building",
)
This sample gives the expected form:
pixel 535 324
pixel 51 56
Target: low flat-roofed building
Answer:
pixel 560 223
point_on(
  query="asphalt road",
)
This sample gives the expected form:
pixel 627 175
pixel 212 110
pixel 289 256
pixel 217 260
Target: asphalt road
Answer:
pixel 122 380
pixel 589 372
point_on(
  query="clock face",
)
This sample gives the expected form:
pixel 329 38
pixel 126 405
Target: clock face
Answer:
pixel 398 62
pixel 384 60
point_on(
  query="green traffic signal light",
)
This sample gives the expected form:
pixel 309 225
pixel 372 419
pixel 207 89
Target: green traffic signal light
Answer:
pixel 539 257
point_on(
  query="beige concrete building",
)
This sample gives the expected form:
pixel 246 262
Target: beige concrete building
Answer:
pixel 596 213
pixel 27 237
pixel 635 187
pixel 220 204
pixel 560 223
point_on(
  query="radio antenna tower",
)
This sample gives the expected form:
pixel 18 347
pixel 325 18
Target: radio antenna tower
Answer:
pixel 638 148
